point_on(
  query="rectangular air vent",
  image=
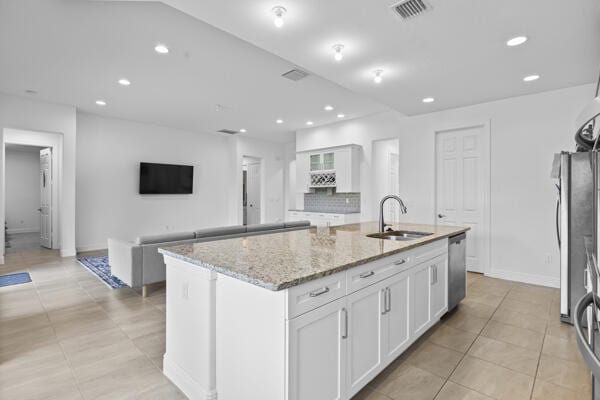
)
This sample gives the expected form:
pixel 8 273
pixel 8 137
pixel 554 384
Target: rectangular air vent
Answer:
pixel 228 131
pixel 410 8
pixel 295 74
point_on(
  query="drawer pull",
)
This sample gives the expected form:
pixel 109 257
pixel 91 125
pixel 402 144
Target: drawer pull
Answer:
pixel 367 274
pixel 345 329
pixel 319 292
pixel 400 262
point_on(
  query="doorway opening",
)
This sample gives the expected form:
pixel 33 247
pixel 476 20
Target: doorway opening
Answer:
pixel 386 177
pixel 251 190
pixel 28 198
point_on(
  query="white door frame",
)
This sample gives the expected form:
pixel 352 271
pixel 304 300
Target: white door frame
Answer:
pixel 39 139
pixel 486 147
pixel 262 175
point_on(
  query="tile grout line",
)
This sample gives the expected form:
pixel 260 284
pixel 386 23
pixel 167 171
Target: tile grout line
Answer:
pixel 58 342
pixel 470 346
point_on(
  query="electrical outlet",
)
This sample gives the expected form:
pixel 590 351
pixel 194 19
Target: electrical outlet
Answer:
pixel 548 258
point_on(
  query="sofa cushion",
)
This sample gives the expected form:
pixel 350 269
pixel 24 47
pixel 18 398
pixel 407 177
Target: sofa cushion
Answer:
pixel 296 224
pixel 164 237
pixel 265 227
pixel 221 231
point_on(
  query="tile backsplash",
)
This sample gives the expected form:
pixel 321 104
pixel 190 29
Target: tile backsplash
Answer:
pixel 323 200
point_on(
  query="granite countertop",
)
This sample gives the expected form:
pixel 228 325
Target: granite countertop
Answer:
pixel 281 260
pixel 325 212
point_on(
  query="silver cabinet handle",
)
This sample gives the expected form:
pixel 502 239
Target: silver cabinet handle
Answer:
pixel 433 275
pixel 389 299
pixel 400 262
pixel 366 274
pixel 319 292
pixel 383 294
pixel 345 320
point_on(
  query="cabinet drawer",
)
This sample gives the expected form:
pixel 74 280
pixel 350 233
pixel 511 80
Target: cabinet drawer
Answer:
pixel 365 275
pixel 431 250
pixel 313 294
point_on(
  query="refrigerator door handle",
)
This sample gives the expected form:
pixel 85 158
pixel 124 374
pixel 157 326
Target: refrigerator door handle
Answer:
pixel 557 217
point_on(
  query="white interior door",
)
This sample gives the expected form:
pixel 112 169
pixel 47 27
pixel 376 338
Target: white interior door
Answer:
pixel 460 189
pixel 46 198
pixel 253 193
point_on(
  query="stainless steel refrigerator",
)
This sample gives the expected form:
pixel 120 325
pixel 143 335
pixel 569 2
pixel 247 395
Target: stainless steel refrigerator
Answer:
pixel 576 217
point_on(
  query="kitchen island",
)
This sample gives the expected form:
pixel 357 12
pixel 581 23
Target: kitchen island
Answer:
pixel 310 314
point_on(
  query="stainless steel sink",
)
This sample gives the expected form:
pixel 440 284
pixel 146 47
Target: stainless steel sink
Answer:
pixel 399 235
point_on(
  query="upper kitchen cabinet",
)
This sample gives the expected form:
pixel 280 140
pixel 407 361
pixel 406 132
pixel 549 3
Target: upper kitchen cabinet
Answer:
pixel 336 167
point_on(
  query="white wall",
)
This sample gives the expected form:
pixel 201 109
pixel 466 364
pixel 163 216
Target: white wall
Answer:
pixel 27 114
pixel 108 203
pixel 22 191
pixel 525 133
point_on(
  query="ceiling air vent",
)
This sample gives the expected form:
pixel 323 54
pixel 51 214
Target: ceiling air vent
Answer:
pixel 410 8
pixel 295 74
pixel 228 131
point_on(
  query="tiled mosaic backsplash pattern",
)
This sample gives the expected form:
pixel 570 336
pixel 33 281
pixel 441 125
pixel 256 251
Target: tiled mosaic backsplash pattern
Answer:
pixel 322 201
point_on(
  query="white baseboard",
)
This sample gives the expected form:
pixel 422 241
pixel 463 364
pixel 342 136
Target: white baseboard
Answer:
pixel 12 231
pixel 533 279
pixel 185 382
pixel 91 247
pixel 1 259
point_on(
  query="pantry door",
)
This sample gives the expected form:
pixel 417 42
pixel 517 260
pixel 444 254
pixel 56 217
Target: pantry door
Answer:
pixel 463 187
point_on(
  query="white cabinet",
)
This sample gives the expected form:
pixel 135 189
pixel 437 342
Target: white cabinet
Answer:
pixel 365 314
pixel 439 286
pixel 396 324
pixel 347 168
pixel 317 353
pixel 324 219
pixel 302 173
pixel 420 294
pixel 337 167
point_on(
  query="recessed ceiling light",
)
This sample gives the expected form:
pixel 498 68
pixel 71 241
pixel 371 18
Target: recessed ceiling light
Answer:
pixel 242 130
pixel 328 108
pixel 516 41
pixel 428 100
pixel 338 55
pixel 279 12
pixel 309 122
pixel 531 78
pixel 340 115
pixel 101 103
pixel 279 121
pixel 124 82
pixel 161 48
pixel 378 76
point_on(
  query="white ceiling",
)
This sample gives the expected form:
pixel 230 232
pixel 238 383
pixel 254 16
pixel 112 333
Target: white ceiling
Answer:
pixel 455 53
pixel 74 51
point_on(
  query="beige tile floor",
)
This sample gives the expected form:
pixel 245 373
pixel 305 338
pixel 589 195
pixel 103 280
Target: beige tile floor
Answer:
pixel 68 336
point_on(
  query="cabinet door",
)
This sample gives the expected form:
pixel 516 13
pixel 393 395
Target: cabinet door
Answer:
pixel 329 160
pixel 396 324
pixel 302 173
pixel 365 313
pixel 420 293
pixel 343 171
pixel 315 162
pixel 317 353
pixel 439 286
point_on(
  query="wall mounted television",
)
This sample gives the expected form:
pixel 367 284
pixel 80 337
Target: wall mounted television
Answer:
pixel 166 178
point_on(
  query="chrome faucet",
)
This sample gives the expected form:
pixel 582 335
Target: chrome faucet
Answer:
pixel 382 224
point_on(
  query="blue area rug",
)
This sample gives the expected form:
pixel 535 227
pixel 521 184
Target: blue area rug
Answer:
pixel 14 279
pixel 99 266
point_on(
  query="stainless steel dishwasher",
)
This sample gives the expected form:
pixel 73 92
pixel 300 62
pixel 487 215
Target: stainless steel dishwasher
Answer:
pixel 457 269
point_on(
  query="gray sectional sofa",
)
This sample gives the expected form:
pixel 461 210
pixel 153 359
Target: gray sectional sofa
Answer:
pixel 139 263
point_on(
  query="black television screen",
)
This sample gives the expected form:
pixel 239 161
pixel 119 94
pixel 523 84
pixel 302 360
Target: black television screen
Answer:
pixel 166 178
